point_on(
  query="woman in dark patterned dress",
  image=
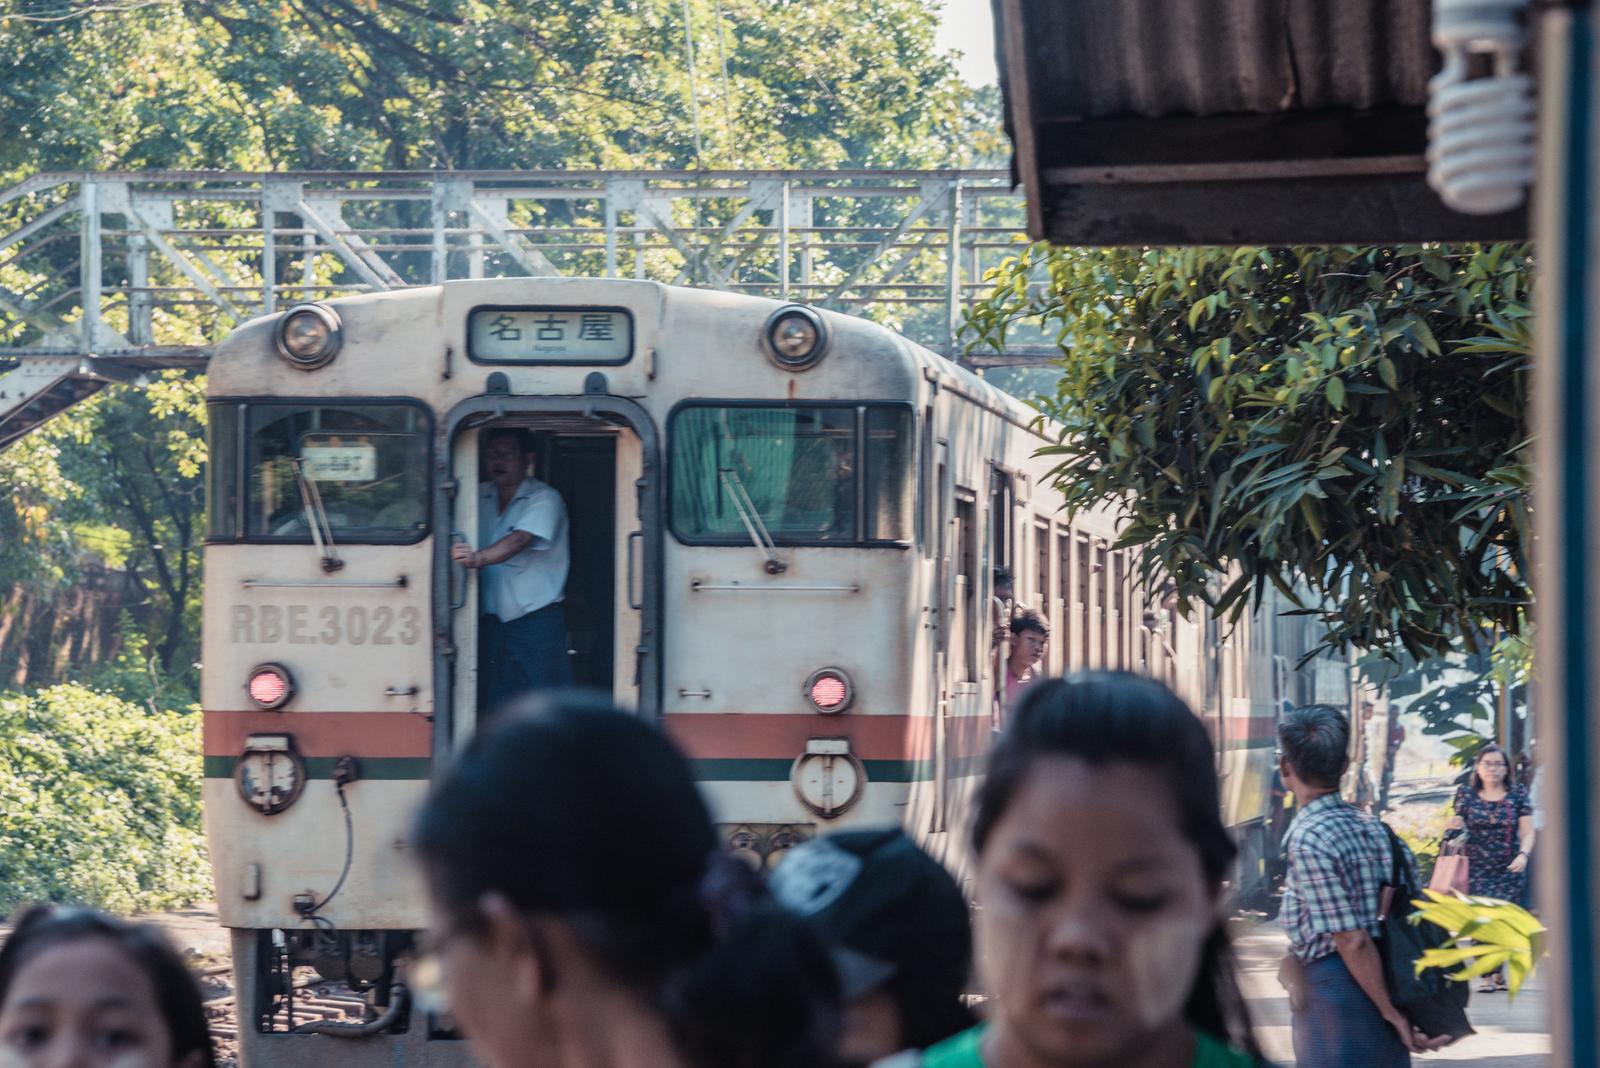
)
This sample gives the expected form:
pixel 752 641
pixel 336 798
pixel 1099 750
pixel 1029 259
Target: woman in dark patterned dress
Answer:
pixel 1494 811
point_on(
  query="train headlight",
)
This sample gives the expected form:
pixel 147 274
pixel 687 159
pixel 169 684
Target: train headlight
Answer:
pixel 829 691
pixel 309 335
pixel 796 337
pixel 270 686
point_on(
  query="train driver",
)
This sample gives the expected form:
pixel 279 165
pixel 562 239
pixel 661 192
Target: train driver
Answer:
pixel 522 526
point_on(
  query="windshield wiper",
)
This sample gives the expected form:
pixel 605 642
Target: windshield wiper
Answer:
pixel 316 516
pixel 751 517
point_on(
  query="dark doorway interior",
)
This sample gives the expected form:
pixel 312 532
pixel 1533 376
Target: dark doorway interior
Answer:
pixel 584 470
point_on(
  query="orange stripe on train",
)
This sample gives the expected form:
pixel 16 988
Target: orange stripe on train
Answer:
pixel 324 734
pixel 722 735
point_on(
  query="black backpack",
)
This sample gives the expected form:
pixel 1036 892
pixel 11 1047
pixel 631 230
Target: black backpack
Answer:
pixel 1434 1003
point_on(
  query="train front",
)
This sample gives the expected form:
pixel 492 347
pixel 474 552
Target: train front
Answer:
pixel 749 569
pixel 318 690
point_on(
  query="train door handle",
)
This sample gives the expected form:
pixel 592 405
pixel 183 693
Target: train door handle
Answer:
pixel 634 538
pixel 458 589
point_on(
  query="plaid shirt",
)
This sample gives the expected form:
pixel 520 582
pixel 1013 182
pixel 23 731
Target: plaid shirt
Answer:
pixel 1338 860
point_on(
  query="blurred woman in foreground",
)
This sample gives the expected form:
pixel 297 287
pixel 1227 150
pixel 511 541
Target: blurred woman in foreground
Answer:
pixel 583 916
pixel 83 990
pixel 1101 856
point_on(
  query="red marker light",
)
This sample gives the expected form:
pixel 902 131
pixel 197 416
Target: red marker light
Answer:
pixel 269 686
pixel 829 690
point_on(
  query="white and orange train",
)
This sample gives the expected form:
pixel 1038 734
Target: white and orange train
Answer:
pixel 783 527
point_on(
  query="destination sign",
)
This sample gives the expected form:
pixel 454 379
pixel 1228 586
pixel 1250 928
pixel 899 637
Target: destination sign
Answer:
pixel 550 335
pixel 340 463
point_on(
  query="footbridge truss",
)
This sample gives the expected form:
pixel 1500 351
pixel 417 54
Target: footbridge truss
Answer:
pixel 105 277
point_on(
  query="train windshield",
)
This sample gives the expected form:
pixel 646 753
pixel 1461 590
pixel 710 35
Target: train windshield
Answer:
pixel 809 475
pixel 368 464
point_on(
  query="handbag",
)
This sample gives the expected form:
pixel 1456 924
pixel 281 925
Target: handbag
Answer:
pixel 1450 871
pixel 1434 1003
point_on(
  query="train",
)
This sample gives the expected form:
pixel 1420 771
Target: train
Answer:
pixel 785 522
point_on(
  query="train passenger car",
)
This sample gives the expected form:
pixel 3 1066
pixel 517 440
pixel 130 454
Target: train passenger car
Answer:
pixel 783 523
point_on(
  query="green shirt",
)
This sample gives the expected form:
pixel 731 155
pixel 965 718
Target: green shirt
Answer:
pixel 962 1051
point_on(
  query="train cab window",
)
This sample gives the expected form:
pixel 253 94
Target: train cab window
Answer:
pixel 367 465
pixel 808 475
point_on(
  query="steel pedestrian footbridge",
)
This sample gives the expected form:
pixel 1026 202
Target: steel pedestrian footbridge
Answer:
pixel 105 277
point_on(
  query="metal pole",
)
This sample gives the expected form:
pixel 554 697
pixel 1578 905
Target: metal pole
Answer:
pixel 1565 411
pixel 269 257
pixel 783 244
pixel 139 303
pixel 611 233
pixel 439 264
pixel 952 326
pixel 308 264
pixel 89 263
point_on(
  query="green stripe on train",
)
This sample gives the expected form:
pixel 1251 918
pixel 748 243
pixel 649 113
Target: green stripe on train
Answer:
pixel 385 768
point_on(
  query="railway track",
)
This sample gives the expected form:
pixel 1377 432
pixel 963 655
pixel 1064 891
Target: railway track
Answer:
pixel 314 999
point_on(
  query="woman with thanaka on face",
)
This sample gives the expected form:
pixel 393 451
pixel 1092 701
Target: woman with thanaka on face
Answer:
pixel 1101 856
pixel 81 990
pixel 584 916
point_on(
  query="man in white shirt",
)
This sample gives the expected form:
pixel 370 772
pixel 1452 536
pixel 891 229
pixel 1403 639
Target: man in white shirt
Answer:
pixel 522 524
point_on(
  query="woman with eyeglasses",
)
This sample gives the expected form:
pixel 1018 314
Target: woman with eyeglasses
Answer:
pixel 584 917
pixel 83 990
pixel 1101 859
pixel 1493 809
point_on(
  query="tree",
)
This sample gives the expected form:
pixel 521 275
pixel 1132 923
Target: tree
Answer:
pixel 103 531
pixel 459 84
pixel 359 84
pixel 1344 420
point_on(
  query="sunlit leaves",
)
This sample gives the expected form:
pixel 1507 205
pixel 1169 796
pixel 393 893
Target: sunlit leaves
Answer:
pixel 1486 935
pixel 99 802
pixel 1349 419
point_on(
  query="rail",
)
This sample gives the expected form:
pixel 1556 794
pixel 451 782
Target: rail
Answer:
pixel 105 276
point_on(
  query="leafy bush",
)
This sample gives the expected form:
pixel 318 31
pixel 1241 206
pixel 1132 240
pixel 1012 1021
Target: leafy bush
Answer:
pixel 1421 828
pixel 1485 934
pixel 99 802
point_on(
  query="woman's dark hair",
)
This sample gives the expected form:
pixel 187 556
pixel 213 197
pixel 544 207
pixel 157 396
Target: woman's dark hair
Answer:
pixel 1511 767
pixel 570 808
pixel 44 928
pixel 1105 717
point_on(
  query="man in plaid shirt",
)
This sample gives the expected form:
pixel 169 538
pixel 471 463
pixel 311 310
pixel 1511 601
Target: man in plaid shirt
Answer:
pixel 1338 860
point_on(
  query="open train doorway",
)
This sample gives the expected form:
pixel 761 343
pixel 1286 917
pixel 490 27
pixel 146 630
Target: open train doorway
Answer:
pixel 591 468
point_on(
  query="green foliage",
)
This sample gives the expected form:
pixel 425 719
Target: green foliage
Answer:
pixel 1457 695
pixel 1347 418
pixel 368 85
pixel 117 480
pixel 1485 934
pixel 1425 851
pixel 99 802
pixel 458 84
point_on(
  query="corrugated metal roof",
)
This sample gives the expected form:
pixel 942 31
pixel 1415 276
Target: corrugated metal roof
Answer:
pixel 1226 121
pixel 1156 58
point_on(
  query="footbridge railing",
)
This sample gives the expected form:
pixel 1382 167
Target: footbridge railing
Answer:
pixel 105 276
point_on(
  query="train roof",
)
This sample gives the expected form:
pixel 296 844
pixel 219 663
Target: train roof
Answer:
pixel 883 363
